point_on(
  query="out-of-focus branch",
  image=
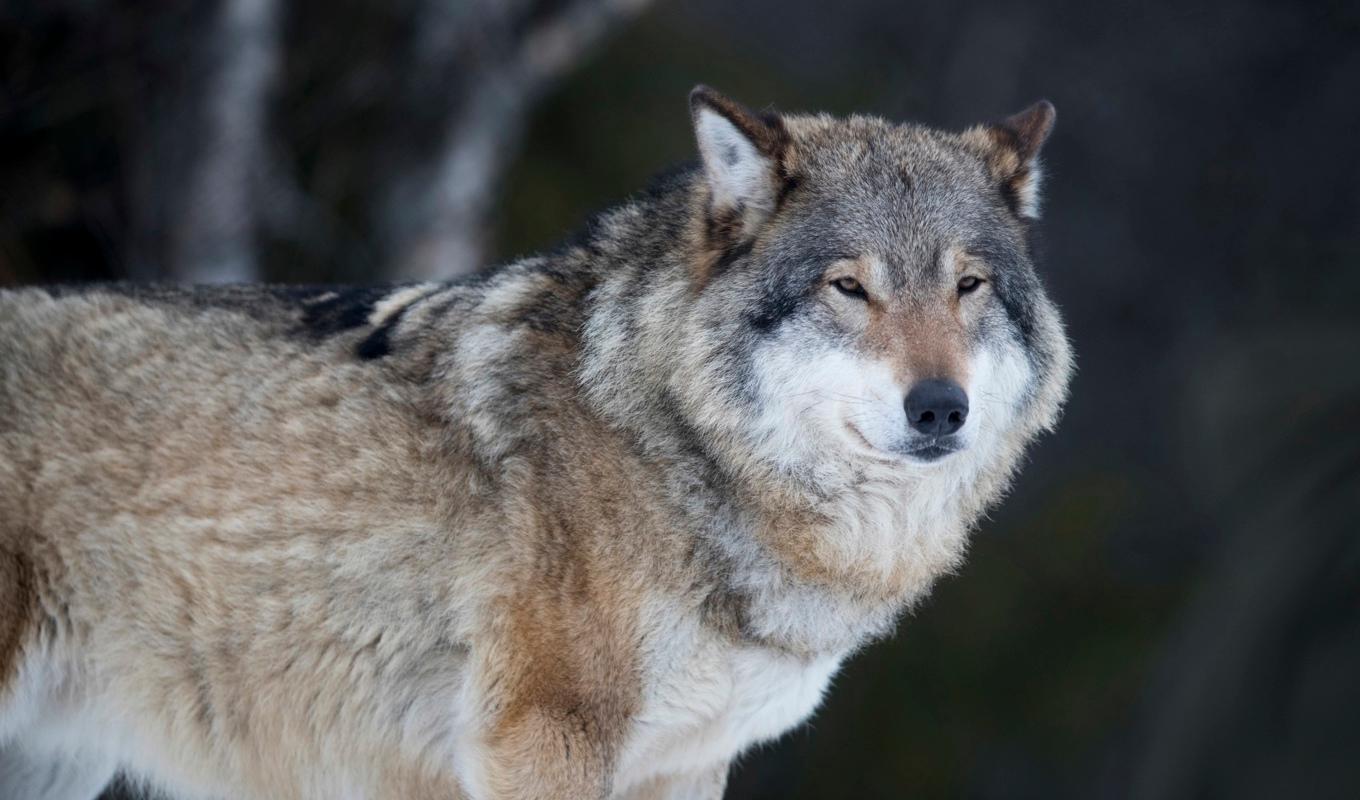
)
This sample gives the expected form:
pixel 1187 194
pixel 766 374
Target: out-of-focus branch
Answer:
pixel 435 217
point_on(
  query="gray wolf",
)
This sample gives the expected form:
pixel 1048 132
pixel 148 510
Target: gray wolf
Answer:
pixel 586 526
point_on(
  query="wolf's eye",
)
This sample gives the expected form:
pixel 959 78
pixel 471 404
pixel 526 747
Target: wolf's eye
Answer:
pixel 969 283
pixel 850 286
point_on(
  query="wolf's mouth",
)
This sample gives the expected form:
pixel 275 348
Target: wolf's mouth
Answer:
pixel 933 450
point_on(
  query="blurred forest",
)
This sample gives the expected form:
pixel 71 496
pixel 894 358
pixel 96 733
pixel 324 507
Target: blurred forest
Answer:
pixel 1168 605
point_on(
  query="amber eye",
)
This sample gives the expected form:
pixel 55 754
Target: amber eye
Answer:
pixel 969 283
pixel 850 286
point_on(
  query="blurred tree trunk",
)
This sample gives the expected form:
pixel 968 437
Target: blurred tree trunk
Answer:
pixel 195 214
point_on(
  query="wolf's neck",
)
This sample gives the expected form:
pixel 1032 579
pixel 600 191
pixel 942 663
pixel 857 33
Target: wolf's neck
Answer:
pixel 808 570
pixel 823 574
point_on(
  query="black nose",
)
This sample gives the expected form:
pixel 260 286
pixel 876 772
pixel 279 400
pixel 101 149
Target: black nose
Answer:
pixel 937 408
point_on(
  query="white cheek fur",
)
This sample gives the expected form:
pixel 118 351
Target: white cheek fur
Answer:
pixel 808 400
pixel 1000 379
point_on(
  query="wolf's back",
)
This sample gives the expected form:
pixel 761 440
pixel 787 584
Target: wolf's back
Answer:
pixel 115 405
pixel 90 371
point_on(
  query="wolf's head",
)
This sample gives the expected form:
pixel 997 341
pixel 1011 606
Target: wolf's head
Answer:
pixel 863 292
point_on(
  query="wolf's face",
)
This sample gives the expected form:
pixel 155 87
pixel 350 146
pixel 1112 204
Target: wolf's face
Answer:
pixel 873 289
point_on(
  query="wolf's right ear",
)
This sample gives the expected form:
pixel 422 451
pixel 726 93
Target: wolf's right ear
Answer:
pixel 1011 150
pixel 742 152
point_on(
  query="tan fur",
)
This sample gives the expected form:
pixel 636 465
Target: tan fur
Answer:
pixel 800 539
pixel 920 343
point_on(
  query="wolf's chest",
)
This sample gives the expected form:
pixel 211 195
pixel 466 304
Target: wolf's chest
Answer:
pixel 720 700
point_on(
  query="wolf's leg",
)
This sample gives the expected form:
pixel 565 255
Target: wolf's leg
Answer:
pixel 29 775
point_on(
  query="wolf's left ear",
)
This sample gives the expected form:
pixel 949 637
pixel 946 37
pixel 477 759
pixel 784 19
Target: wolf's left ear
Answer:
pixel 742 153
pixel 1011 151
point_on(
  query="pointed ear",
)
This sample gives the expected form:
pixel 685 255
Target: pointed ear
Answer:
pixel 1011 151
pixel 742 153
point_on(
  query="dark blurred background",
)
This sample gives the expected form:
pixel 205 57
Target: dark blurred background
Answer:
pixel 1168 605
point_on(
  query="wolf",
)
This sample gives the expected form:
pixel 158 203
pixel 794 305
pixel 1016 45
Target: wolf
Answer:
pixel 587 525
